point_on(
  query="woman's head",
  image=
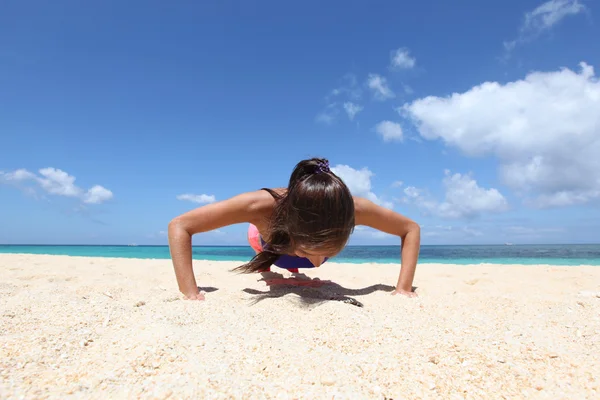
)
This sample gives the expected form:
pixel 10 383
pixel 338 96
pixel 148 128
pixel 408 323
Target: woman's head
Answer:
pixel 318 210
pixel 314 217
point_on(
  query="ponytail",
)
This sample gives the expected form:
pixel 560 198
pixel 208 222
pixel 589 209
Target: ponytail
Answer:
pixel 259 263
pixel 308 168
pixel 280 243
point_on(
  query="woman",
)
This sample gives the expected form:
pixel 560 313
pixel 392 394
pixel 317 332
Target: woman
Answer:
pixel 300 226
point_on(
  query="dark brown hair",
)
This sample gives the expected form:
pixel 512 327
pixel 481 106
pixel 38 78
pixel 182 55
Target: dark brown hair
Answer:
pixel 316 213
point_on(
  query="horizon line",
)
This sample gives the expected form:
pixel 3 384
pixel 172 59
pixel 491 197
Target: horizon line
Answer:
pixel 353 245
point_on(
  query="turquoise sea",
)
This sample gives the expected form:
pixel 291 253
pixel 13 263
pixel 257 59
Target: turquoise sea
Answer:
pixel 569 254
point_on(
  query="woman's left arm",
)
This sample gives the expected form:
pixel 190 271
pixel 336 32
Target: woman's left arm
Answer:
pixel 388 221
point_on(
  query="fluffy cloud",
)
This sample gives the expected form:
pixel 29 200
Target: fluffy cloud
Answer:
pixel 464 198
pixel 359 183
pixel 18 175
pixel 544 130
pixel 389 131
pixel 543 18
pixel 352 109
pixel 97 195
pixel 401 58
pixel 197 198
pixel 379 86
pixel 58 182
pixel 397 184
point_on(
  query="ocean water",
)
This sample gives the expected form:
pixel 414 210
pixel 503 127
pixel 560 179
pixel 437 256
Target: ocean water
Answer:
pixel 570 254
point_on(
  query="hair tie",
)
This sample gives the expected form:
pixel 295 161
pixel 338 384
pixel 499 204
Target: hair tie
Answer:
pixel 322 166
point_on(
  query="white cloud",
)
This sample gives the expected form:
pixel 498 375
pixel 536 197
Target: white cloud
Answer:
pixel 543 18
pixel 550 13
pixel 401 58
pixel 97 195
pixel 197 198
pixel 18 175
pixel 544 129
pixel 379 86
pixel 464 198
pixel 359 183
pixel 58 182
pixel 352 109
pixel 397 184
pixel 389 131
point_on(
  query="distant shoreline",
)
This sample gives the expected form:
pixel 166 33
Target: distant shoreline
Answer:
pixel 473 263
pixel 551 254
pixel 353 245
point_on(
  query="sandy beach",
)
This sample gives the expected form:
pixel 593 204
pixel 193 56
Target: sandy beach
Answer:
pixel 118 328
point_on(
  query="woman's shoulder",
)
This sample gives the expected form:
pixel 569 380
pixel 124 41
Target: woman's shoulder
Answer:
pixel 364 209
pixel 360 204
pixel 261 202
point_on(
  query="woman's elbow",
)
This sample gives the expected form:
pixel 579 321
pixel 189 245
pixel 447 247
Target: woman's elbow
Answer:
pixel 414 229
pixel 176 225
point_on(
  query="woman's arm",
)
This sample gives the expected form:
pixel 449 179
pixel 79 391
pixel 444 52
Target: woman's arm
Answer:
pixel 385 220
pixel 241 208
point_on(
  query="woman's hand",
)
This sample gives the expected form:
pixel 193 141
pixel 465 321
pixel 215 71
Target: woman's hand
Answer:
pixel 194 296
pixel 406 293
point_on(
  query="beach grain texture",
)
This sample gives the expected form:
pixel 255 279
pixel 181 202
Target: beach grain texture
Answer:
pixel 97 328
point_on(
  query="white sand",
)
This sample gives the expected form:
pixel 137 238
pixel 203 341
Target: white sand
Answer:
pixel 116 328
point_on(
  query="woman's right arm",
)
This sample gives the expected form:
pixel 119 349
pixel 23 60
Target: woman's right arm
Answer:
pixel 239 209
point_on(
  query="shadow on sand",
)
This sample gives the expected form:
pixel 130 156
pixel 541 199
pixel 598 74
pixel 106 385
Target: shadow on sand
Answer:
pixel 310 293
pixel 207 289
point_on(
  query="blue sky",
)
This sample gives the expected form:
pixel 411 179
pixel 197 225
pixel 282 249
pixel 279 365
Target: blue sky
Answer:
pixel 480 120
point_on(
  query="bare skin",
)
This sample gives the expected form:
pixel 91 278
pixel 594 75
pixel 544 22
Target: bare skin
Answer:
pixel 256 208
